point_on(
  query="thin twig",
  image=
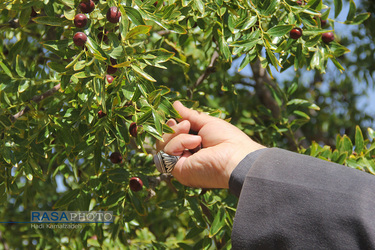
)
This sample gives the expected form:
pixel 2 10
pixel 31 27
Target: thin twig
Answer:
pixel 210 69
pixel 37 99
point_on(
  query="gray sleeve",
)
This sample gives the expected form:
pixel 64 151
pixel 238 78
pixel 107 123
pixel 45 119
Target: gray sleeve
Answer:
pixel 238 175
pixel 294 201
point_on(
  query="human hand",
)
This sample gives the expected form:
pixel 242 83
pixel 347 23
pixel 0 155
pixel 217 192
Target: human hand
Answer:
pixel 224 146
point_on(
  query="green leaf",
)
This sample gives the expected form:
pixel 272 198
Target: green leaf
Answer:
pixel 98 153
pixel 246 60
pixel 186 2
pixel 195 211
pixel 8 155
pixel 24 85
pixel 70 14
pixel 28 172
pixel 167 107
pixel 68 197
pixel 161 55
pixel 250 21
pixel 119 175
pixel 302 114
pixel 122 130
pixel 338 7
pixel 280 30
pixel 352 11
pixel 249 44
pixel 369 165
pixel 157 122
pixel 25 17
pixel 337 64
pixel 142 73
pixel 176 28
pixel 6 69
pixel 79 65
pixel 137 204
pixel 167 129
pixel 115 198
pixel 59 47
pixel 315 32
pixel 371 133
pixel 313 41
pixel 338 50
pixel 69 3
pixel 51 21
pixel 20 67
pixel 193 232
pixel 345 145
pixel 146 115
pixel 37 170
pixel 200 5
pixel 57 66
pixel 359 142
pixel 269 7
pixel 134 15
pixel 152 131
pixel 76 58
pixel 292 89
pixel 342 158
pixel 314 4
pixel 316 60
pixel 138 30
pixel 271 56
pixel 219 222
pixel 96 50
pixel 360 18
pixel 224 47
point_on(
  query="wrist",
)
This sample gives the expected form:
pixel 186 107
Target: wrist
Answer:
pixel 238 175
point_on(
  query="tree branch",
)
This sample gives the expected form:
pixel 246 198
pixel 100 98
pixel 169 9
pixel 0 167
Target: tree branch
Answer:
pixel 210 69
pixel 261 77
pixel 37 99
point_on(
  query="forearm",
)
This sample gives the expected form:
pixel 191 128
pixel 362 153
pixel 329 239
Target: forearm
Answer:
pixel 290 200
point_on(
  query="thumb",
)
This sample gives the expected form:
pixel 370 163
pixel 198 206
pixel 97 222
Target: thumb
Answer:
pixel 196 119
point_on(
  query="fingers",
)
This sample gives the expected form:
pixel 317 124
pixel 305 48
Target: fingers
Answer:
pixel 180 128
pixel 197 119
pixel 181 142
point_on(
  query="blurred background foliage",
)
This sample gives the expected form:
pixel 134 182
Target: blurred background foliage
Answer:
pixel 233 59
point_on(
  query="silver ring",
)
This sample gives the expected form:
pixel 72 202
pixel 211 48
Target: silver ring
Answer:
pixel 164 162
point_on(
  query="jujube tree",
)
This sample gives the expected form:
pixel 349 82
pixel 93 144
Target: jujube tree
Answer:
pixel 87 87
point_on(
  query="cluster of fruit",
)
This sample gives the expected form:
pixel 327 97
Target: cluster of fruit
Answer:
pixel 327 37
pixel 80 39
pixel 135 183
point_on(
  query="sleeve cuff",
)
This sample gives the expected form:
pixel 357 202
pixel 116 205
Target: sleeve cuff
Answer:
pixel 238 175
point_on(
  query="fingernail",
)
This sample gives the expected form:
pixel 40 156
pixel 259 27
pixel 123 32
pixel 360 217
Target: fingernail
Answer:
pixel 171 122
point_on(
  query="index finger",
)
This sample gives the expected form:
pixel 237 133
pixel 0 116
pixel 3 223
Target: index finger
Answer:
pixel 196 119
